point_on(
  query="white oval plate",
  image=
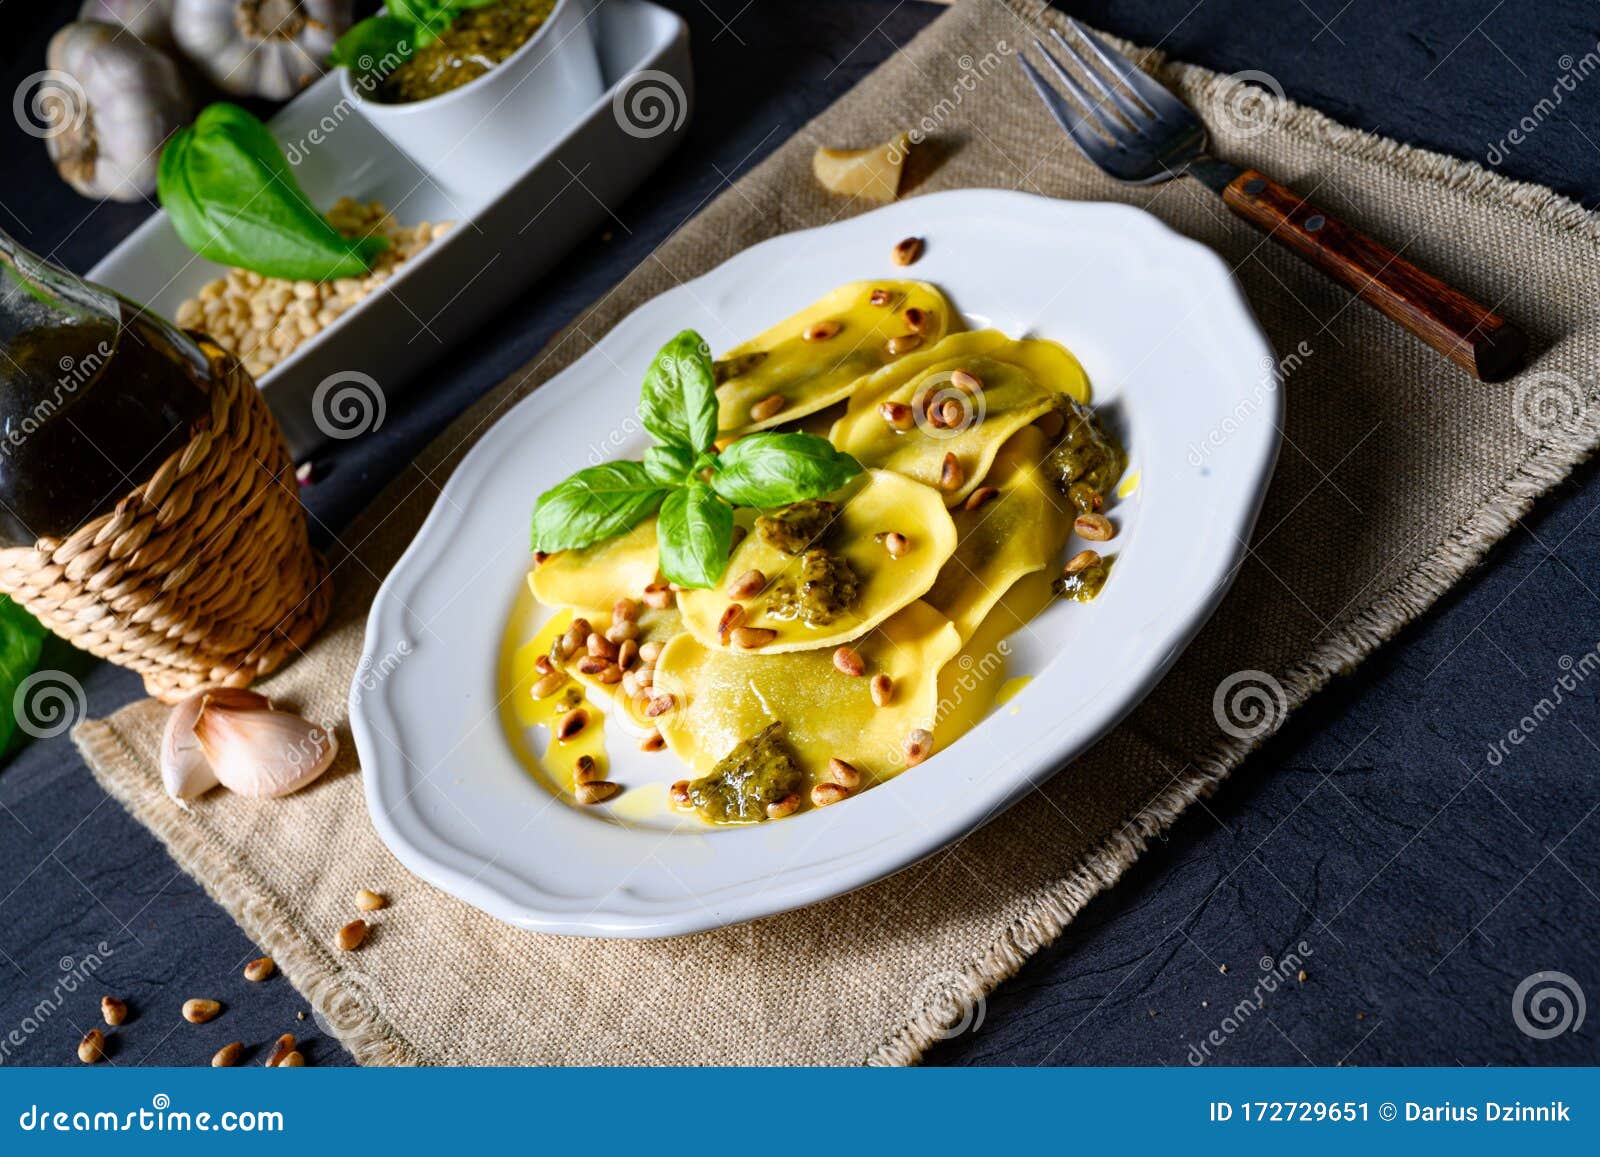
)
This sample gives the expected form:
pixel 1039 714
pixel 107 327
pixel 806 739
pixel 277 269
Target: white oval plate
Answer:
pixel 1179 368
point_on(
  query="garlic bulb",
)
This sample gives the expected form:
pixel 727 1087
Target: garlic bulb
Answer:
pixel 111 101
pixel 185 771
pixel 261 753
pixel 270 48
pixel 149 20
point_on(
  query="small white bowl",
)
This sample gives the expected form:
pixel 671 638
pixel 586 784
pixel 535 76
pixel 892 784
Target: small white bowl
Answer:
pixel 484 133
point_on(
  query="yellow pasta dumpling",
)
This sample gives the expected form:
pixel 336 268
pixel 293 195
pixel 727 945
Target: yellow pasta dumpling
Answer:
pixel 1022 529
pixel 595 577
pixel 724 697
pixel 945 426
pixel 816 574
pixel 812 359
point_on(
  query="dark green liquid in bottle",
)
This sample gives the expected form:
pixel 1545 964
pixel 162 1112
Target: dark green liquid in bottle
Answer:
pixel 94 395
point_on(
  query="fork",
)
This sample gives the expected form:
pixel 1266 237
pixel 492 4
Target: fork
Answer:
pixel 1139 133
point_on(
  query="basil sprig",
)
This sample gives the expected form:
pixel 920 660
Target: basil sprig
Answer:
pixel 684 478
pixel 373 47
pixel 231 196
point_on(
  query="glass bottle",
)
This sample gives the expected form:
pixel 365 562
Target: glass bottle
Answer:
pixel 95 393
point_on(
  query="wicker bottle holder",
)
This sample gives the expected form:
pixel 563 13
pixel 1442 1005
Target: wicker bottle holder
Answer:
pixel 204 575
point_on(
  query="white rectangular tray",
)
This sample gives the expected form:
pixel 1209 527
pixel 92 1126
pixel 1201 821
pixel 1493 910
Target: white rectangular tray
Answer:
pixel 504 238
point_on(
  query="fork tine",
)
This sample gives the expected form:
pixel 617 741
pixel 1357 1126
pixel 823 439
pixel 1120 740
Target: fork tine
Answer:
pixel 1152 93
pixel 1065 115
pixel 1136 114
pixel 1078 92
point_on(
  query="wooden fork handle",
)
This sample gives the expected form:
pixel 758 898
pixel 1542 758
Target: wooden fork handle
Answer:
pixel 1476 338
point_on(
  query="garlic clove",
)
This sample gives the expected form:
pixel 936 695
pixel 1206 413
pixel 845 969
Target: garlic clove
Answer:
pixel 872 174
pixel 262 754
pixel 268 48
pixel 149 20
pixel 185 771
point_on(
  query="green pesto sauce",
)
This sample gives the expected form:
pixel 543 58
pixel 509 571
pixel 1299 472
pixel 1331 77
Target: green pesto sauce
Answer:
pixel 826 589
pixel 1083 586
pixel 475 41
pixel 759 771
pixel 796 526
pixel 1087 462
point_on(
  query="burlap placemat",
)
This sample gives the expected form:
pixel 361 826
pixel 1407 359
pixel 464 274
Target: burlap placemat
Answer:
pixel 1396 475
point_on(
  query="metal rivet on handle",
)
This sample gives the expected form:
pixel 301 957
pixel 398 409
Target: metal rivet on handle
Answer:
pixel 1314 222
pixel 1255 186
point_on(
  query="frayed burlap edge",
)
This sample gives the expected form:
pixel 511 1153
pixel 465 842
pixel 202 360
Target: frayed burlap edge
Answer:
pixel 337 996
pixel 1451 558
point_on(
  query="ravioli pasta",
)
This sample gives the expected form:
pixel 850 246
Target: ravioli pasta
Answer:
pixel 813 359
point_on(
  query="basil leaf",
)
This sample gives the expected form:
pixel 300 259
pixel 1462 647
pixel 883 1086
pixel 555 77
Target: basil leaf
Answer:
pixel 373 48
pixel 669 465
pixel 594 504
pixel 232 197
pixel 428 17
pixel 696 535
pixel 21 642
pixel 679 401
pixel 768 469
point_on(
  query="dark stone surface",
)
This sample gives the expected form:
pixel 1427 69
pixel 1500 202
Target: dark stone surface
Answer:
pixel 1424 882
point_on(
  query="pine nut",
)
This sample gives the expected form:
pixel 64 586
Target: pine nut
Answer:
pixel 881 297
pixel 844 774
pixel 1083 560
pixel 621 632
pixel 228 1055
pixel 543 665
pixel 585 770
pixel 919 745
pixel 746 585
pixel 570 724
pixel 848 661
pixel 652 742
pixel 897 544
pixel 951 474
pixel 627 652
pixel 624 611
pixel 736 537
pixel 352 935
pixel 1094 527
pixel 678 793
pixel 770 405
pixel 787 806
pixel 113 1010
pixel 979 496
pixel 293 1061
pixel 730 619
pixel 951 414
pixel 650 652
pixel 645 675
pixel 592 665
pixel 903 344
pixel 823 330
pixel 658 597
pixel 882 690
pixel 259 969
pixel 549 684
pixel 369 901
pixel 916 319
pixel 897 414
pixel 907 251
pixel 92 1048
pixel 660 704
pixel 600 646
pixel 281 1048
pixel 824 794
pixel 199 1011
pixel 749 638
pixel 597 792
pixel 610 675
pixel 576 635
pixel 962 380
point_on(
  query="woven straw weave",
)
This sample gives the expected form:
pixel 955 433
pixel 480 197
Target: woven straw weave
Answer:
pixel 204 575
